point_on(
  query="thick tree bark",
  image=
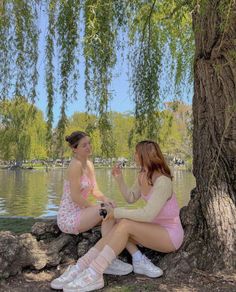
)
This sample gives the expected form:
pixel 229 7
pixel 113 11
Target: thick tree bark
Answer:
pixel 210 217
pixel 214 136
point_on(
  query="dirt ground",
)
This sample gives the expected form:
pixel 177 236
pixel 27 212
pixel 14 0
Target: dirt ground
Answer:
pixel 200 281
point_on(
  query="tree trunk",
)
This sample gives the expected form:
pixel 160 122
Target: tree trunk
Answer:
pixel 210 217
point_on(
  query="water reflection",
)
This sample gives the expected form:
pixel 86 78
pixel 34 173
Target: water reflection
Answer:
pixel 37 192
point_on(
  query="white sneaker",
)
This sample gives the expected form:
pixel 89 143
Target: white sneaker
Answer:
pixel 70 273
pixel 146 267
pixel 117 267
pixel 86 281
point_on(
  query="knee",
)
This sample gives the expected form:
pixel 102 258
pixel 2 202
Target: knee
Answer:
pixel 123 225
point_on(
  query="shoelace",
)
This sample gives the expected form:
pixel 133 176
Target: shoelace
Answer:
pixel 147 261
pixel 68 270
pixel 116 262
pixel 87 279
pixel 83 280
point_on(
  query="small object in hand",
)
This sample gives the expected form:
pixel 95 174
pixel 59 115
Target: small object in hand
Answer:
pixel 102 205
pixel 103 213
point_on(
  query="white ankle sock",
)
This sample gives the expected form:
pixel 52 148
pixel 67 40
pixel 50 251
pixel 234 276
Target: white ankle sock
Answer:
pixel 137 256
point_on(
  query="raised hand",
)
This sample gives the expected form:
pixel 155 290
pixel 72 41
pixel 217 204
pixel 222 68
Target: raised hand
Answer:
pixel 116 171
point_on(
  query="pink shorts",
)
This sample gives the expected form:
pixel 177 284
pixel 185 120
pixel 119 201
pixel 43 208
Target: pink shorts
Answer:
pixel 176 234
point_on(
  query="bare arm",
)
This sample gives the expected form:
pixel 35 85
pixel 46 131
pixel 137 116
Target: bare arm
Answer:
pixel 74 175
pixel 160 193
pixel 96 191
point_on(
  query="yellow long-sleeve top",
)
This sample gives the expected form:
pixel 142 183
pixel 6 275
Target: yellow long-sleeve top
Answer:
pixel 160 192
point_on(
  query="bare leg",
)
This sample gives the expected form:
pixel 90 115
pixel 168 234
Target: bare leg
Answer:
pixel 89 217
pixel 107 227
pixel 150 235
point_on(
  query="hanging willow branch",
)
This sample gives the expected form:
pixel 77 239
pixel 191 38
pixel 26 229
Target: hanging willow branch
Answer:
pixel 142 21
pixel 146 65
pixel 26 48
pixel 100 58
pixel 5 50
pixel 50 39
pixel 68 38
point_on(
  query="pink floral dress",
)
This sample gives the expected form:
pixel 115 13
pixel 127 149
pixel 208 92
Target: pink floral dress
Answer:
pixel 68 217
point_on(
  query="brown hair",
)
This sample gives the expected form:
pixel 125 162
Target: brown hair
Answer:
pixel 74 138
pixel 151 157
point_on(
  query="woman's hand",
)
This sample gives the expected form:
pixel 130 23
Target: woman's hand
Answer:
pixel 110 213
pixel 116 171
pixel 110 202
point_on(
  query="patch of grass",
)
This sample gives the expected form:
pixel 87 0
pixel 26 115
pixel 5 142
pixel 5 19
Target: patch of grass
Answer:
pixel 17 225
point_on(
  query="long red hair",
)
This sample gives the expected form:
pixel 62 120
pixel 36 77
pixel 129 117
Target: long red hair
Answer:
pixel 152 159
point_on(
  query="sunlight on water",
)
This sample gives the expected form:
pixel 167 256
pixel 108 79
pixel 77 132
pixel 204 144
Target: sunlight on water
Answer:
pixel 37 193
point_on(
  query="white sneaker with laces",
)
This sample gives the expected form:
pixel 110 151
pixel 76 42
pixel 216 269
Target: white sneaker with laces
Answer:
pixel 86 281
pixel 70 273
pixel 146 267
pixel 117 267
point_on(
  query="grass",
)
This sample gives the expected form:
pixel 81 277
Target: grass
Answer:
pixel 17 225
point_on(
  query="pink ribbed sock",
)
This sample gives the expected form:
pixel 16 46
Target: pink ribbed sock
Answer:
pixel 84 262
pixel 103 260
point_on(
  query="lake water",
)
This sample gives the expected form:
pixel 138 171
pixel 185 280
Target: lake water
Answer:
pixel 37 193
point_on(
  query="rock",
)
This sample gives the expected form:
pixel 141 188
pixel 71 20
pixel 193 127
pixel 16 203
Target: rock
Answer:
pixel 45 247
pixel 10 251
pixel 45 230
pixel 48 247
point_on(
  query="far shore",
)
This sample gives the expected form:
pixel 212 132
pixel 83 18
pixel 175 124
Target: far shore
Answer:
pixel 4 167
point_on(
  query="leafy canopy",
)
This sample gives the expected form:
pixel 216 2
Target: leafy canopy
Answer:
pixel 98 30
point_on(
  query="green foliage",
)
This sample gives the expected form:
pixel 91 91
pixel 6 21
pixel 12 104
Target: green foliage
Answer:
pixel 68 37
pixel 175 132
pixel 6 45
pixel 122 125
pixel 146 66
pixel 156 48
pixel 19 48
pixel 22 130
pixel 100 58
pixel 50 40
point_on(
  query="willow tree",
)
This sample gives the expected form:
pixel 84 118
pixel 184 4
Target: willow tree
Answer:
pixel 212 211
pixel 182 38
pixel 22 130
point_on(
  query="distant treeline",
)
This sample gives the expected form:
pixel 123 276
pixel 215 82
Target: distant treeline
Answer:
pixel 23 132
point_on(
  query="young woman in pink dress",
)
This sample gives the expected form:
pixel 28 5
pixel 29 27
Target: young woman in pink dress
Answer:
pixel 76 213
